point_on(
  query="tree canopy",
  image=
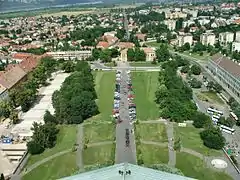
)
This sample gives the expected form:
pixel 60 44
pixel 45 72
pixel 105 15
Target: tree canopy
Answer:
pixel 173 95
pixel 75 101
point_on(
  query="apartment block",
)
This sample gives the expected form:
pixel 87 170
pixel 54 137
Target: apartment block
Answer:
pixel 70 55
pixel 185 38
pixel 226 71
pixel 171 24
pixel 226 37
pixel 237 37
pixel 207 39
pixel 236 46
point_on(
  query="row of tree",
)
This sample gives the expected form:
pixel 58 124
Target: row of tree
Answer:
pixel 75 101
pixel 25 94
pixel 173 95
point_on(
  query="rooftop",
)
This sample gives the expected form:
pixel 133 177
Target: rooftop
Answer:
pixel 136 173
pixel 227 64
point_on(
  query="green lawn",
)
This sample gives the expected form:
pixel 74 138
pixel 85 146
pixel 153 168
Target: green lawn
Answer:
pixel 204 57
pixel 152 44
pixel 152 132
pixel 143 64
pixel 152 154
pixel 59 167
pixel 65 140
pixel 190 138
pixel 210 96
pixel 194 167
pixel 144 86
pixel 99 154
pixel 104 86
pixel 111 64
pixel 99 132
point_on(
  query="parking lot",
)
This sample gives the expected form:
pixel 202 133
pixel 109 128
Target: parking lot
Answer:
pixel 124 114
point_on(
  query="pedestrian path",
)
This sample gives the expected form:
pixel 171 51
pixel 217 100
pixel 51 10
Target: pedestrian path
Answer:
pixel 80 142
pixel 171 152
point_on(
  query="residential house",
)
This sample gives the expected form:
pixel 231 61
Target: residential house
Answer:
pixel 141 37
pixel 207 39
pixel 236 46
pixel 227 72
pixel 150 53
pixel 111 40
pixel 184 38
pixel 226 37
pixel 70 55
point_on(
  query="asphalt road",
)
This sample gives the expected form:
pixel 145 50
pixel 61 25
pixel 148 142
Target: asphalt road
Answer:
pixel 125 140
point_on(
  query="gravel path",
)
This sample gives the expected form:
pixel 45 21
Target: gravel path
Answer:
pixel 80 142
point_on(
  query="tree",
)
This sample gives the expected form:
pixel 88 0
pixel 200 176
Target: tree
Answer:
pixel 177 145
pixel 14 117
pixel 179 24
pixel 194 83
pixel 186 47
pixel 68 66
pixel 217 87
pixel 196 70
pixel 5 109
pixel 130 54
pixel 139 55
pixel 210 85
pixel 105 55
pixel 185 69
pixel 35 147
pixel 49 118
pixel 162 53
pixel 212 138
pixel 201 120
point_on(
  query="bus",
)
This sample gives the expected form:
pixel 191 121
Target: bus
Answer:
pixel 216 116
pixel 214 111
pixel 227 129
pixel 233 116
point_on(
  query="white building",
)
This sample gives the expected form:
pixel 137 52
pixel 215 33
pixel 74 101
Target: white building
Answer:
pixel 171 24
pixel 236 46
pixel 207 39
pixel 237 38
pixel 203 21
pixel 226 37
pixel 70 55
pixel 184 38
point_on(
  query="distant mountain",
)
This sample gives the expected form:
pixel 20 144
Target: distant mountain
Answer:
pixel 19 5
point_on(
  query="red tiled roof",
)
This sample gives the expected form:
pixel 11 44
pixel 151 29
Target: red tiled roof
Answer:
pixel 21 55
pixel 227 64
pixel 125 45
pixel 29 64
pixel 102 44
pixel 9 78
